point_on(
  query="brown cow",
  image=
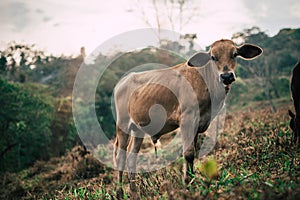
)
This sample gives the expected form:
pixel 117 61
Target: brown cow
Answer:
pixel 295 90
pixel 186 96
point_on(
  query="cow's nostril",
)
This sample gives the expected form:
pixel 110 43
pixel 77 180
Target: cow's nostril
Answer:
pixel 227 78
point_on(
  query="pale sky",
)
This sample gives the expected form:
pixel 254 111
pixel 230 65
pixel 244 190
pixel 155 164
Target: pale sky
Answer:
pixel 62 27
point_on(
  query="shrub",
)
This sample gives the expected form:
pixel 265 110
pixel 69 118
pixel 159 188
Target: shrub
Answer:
pixel 25 119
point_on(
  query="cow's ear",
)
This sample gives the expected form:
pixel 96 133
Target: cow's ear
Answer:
pixel 198 59
pixel 249 51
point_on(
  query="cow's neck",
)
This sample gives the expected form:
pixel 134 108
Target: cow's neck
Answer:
pixel 216 88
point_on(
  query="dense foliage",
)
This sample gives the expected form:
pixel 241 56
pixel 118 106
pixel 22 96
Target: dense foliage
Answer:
pixel 25 120
pixel 35 117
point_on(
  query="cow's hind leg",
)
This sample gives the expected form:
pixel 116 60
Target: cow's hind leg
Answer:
pixel 297 121
pixel 137 140
pixel 120 149
pixel 296 137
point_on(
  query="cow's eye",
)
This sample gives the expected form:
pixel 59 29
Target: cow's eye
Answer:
pixel 214 58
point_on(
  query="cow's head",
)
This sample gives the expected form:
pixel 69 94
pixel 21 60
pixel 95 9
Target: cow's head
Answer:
pixel 295 126
pixel 224 54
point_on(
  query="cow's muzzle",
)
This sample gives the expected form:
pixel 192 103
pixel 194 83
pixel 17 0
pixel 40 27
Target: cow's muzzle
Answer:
pixel 227 78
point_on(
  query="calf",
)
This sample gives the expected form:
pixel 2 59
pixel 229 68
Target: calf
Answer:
pixel 186 96
pixel 295 90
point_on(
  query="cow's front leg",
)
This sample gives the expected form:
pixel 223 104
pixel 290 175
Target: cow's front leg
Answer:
pixel 131 162
pixel 188 133
pixel 188 167
pixel 120 149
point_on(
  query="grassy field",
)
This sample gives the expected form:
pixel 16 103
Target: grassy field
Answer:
pixel 253 159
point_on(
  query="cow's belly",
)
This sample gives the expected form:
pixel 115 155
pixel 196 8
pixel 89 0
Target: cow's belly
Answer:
pixel 167 117
pixel 156 102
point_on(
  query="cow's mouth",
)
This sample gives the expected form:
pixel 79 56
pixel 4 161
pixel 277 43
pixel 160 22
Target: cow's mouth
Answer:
pixel 227 87
pixel 227 84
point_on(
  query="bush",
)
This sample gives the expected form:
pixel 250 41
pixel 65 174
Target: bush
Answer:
pixel 25 119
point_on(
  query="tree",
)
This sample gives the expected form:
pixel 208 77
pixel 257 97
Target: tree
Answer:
pixel 25 120
pixel 259 68
pixel 281 53
pixel 174 15
pixel 243 36
pixel 17 59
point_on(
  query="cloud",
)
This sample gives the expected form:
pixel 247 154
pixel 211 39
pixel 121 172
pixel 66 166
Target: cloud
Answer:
pixel 272 15
pixel 64 26
pixel 14 15
pixel 220 19
pixel 61 26
pixel 295 10
pixel 38 10
pixel 20 16
pixel 46 18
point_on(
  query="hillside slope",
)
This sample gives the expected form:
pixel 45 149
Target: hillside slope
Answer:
pixel 254 156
